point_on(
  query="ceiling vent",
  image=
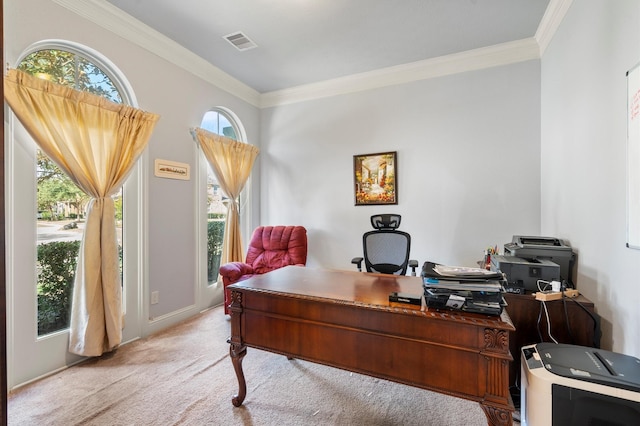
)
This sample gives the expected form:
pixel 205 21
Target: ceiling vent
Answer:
pixel 240 41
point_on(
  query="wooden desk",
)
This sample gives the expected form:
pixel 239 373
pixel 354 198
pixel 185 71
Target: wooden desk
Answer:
pixel 524 310
pixel 343 319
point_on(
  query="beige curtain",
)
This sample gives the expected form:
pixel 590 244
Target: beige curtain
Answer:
pixel 96 142
pixel 231 162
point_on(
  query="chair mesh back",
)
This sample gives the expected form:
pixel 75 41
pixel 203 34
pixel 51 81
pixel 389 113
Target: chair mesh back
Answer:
pixel 386 251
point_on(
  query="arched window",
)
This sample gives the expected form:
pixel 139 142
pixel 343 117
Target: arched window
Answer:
pixel 220 121
pixel 61 204
pixel 42 252
pixel 72 70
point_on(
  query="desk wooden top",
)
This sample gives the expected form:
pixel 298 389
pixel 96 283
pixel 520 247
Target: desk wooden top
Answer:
pixel 351 286
pixel 356 288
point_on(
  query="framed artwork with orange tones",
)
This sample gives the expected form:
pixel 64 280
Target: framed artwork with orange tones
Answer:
pixel 375 178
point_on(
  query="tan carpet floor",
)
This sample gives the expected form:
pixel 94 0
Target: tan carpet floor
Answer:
pixel 184 376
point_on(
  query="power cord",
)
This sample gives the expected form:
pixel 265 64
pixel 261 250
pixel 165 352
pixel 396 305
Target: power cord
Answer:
pixel 546 284
pixel 566 317
pixel 596 321
pixel 546 313
pixel 543 307
pixel 596 324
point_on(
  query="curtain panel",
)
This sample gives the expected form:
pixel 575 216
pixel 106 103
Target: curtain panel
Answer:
pixel 96 142
pixel 231 162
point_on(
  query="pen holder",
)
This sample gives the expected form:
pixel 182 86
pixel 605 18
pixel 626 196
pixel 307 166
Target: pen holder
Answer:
pixel 487 262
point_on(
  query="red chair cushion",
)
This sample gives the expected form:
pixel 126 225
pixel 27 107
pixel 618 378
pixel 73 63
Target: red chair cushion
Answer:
pixel 271 247
pixel 234 270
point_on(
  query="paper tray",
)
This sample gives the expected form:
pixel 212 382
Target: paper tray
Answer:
pixel 461 301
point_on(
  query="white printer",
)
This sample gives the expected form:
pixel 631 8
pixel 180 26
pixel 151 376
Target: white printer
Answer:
pixel 565 385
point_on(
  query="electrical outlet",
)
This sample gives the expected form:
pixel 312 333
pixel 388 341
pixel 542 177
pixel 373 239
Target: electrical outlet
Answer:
pixel 155 297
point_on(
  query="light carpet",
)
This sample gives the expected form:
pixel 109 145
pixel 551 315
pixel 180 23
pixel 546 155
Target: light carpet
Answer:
pixel 184 376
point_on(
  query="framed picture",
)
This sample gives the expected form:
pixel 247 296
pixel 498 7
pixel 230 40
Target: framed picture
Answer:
pixel 375 178
pixel 172 169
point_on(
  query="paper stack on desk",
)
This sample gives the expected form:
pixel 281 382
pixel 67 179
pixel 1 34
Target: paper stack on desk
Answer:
pixel 464 289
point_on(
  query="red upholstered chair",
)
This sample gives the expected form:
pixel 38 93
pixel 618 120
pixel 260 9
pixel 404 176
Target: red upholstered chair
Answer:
pixel 271 247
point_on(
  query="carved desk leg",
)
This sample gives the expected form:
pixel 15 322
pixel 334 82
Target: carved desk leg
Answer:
pixel 497 416
pixel 497 404
pixel 237 350
pixel 237 353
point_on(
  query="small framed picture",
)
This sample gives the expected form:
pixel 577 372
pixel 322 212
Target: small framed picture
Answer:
pixel 172 170
pixel 375 178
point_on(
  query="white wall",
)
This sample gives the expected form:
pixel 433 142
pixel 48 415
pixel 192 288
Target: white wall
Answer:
pixel 468 164
pixel 584 157
pixel 181 99
pixel 475 164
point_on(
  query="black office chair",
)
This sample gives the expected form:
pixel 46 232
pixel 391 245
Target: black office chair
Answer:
pixel 386 250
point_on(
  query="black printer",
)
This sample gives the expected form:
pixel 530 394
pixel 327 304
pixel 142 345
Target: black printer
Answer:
pixel 522 275
pixel 548 248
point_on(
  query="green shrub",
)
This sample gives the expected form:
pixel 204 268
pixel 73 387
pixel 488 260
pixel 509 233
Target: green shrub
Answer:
pixel 57 262
pixel 57 268
pixel 215 235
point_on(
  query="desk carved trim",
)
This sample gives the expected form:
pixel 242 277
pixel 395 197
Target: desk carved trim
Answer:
pixel 496 340
pixel 469 354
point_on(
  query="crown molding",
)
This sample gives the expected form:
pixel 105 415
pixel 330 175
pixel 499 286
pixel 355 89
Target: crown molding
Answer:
pixel 553 16
pixel 486 57
pixel 497 55
pixel 115 20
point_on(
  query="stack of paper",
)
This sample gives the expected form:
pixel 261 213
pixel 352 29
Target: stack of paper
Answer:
pixel 462 288
pixel 458 273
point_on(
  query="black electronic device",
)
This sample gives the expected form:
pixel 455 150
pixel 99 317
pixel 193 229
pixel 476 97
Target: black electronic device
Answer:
pixel 524 274
pixel 490 303
pixel 549 248
pixel 515 288
pixel 408 298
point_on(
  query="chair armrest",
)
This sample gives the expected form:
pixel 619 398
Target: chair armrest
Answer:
pixel 234 270
pixel 358 261
pixel 413 264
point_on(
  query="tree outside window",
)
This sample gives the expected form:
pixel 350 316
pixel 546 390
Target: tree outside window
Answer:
pixel 61 204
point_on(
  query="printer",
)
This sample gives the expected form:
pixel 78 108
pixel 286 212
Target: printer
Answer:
pixel 548 248
pixel 577 385
pixel 522 275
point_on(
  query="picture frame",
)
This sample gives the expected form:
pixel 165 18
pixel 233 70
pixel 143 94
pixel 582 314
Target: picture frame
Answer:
pixel 375 178
pixel 172 169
